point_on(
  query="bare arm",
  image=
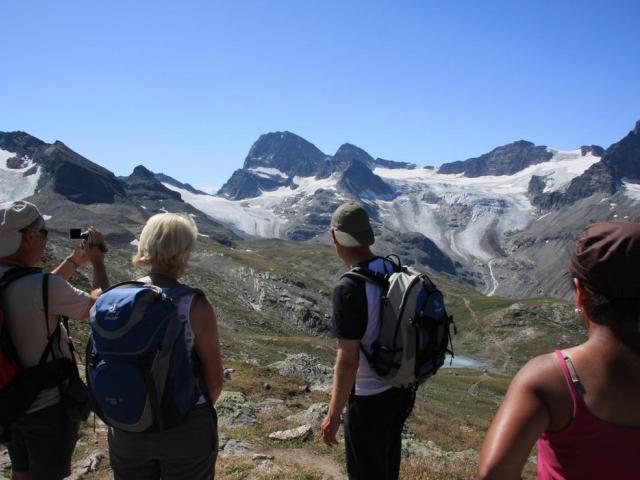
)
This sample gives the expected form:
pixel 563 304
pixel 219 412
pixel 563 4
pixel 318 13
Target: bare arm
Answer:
pixel 207 345
pixel 521 419
pixel 87 251
pixel 343 380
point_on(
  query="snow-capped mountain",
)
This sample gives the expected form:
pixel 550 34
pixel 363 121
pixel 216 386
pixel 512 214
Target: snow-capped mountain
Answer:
pixel 502 221
pixel 475 212
pixel 73 191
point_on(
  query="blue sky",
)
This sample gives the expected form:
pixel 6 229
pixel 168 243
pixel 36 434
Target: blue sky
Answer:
pixel 185 87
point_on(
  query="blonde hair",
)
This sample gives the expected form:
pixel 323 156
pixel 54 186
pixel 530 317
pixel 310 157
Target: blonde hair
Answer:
pixel 167 240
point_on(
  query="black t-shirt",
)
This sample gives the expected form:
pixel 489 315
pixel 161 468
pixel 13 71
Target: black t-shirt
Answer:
pixel 350 309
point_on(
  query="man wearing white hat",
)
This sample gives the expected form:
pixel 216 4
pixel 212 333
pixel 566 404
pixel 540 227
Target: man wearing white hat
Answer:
pixel 43 438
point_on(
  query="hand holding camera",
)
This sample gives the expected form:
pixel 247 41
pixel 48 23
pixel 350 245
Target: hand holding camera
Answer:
pixel 92 247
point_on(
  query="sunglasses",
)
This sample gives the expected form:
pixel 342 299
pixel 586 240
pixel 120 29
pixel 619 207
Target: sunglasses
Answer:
pixel 42 231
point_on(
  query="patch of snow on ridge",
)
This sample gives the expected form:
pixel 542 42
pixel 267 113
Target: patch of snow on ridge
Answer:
pixel 14 185
pixel 407 214
pixel 256 216
pixel 563 167
pixel 268 172
pixel 631 190
pixel 237 214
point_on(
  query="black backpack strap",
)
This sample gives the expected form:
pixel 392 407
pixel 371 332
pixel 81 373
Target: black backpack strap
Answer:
pixel 48 349
pixel 15 273
pixel 395 261
pixel 366 275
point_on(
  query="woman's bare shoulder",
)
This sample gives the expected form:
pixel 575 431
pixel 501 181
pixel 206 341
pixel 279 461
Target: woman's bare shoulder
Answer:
pixel 540 372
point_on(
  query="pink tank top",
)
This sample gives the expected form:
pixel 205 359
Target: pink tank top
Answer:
pixel 588 448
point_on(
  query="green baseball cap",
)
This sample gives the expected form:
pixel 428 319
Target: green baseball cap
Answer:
pixel 350 222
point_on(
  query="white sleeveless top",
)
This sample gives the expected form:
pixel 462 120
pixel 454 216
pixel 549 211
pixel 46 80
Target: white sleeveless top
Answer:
pixel 184 308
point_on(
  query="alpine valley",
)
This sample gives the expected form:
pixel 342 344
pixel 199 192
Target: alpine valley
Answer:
pixel 493 231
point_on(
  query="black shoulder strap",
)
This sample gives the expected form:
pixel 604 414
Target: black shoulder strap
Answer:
pixel 15 273
pixel 48 349
pixel 366 275
pixel 395 261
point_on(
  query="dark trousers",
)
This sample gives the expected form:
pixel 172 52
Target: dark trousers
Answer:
pixel 373 431
pixel 42 443
pixel 186 452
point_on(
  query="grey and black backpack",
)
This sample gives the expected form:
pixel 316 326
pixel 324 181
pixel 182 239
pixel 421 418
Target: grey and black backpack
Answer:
pixel 415 329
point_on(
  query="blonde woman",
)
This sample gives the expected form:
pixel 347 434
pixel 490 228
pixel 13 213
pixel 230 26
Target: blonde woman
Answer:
pixel 189 450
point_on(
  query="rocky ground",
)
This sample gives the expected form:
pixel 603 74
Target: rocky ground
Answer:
pixel 272 300
pixel 269 419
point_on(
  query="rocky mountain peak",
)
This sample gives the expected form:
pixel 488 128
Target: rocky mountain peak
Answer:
pixel 505 160
pixel 595 150
pixel 357 179
pixel 142 172
pixel 20 143
pixel 286 152
pixel 143 185
pixel 349 152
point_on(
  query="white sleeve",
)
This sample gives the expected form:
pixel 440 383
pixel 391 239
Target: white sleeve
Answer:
pixel 64 299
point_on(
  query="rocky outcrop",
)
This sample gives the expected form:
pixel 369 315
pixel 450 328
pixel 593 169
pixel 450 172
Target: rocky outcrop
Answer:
pixel 247 184
pixel 308 367
pixel 312 415
pixel 595 150
pixel 235 411
pixel 619 162
pixel 505 160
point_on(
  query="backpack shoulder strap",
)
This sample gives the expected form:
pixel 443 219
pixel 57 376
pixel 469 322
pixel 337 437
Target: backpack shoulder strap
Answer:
pixel 127 284
pixel 182 290
pixel 366 275
pixel 48 349
pixel 16 273
pixel 395 261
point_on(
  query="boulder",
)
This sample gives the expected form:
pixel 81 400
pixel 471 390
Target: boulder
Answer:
pixel 312 415
pixel 235 411
pixel 301 433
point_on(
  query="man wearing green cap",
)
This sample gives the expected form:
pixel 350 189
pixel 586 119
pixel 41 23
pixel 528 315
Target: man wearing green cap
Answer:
pixel 42 437
pixel 375 412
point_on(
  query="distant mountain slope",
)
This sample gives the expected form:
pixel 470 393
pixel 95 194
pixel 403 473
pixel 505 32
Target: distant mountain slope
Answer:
pixel 63 170
pixel 474 211
pixel 501 222
pixel 76 192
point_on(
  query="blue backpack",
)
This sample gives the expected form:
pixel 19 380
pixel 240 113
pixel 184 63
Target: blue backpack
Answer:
pixel 139 373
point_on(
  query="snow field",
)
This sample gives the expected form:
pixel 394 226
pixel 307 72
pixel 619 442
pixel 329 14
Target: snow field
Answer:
pixel 14 185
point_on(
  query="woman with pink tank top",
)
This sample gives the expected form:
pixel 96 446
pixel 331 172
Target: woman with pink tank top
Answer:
pixel 580 405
